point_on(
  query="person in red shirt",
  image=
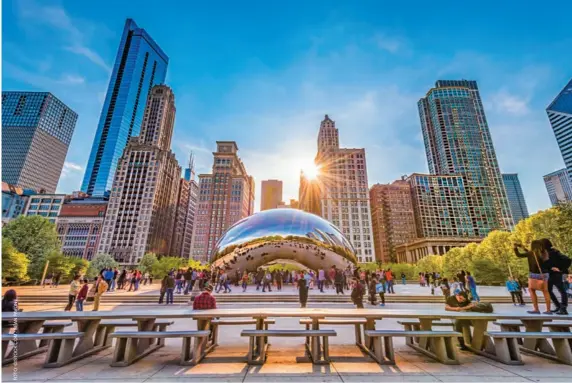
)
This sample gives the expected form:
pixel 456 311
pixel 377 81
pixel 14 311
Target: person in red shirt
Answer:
pixel 81 295
pixel 205 301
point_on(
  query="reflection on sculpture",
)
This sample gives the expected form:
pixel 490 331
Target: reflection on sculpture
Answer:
pixel 283 234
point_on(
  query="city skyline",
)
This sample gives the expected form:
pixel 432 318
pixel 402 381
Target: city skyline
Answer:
pixel 379 108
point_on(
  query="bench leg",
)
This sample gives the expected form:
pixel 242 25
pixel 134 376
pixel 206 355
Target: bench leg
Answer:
pixel 563 350
pixel 5 344
pixel 438 347
pixel 506 350
pixel 511 328
pixel 102 338
pixel 125 352
pixel 59 353
pixel 451 350
pixel 358 334
pixel 161 328
pixel 250 355
pixel 214 332
pixel 326 351
pixel 388 351
pixel 307 338
pixel 50 330
pixel 408 340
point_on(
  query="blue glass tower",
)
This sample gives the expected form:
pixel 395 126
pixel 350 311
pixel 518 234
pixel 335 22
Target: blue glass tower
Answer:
pixel 139 65
pixel 515 197
pixel 560 116
pixel 559 186
pixel 36 132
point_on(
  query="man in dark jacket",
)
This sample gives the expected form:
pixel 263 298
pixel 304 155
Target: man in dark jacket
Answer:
pixel 358 292
pixel 558 265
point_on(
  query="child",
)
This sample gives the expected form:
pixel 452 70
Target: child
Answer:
pixel 81 295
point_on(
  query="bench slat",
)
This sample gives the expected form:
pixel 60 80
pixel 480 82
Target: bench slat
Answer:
pixel 288 333
pixel 42 336
pixel 159 334
pixel 223 322
pixel 533 335
pixel 399 333
pixel 56 324
pixel 133 323
pixel 416 322
pixel 519 323
pixel 334 321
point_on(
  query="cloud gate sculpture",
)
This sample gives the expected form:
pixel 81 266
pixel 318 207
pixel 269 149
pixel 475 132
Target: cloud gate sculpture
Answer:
pixel 282 234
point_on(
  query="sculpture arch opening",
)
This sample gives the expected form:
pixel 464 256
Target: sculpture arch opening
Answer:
pixel 278 234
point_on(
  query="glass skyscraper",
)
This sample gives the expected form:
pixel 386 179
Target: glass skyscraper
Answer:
pixel 559 186
pixel 458 142
pixel 515 197
pixel 560 116
pixel 139 65
pixel 36 132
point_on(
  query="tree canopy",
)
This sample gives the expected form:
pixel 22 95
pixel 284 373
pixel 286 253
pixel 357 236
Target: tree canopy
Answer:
pixel 99 262
pixel 14 263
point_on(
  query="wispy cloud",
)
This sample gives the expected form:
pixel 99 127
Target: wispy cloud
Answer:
pixel 39 80
pixel 70 167
pixel 388 43
pixel 503 101
pixel 56 18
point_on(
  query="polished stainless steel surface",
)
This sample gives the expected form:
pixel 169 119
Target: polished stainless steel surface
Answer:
pixel 288 234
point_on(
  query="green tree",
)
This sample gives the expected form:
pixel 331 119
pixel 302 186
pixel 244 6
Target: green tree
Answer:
pixel 34 236
pixel 457 259
pixel 79 267
pixel 14 263
pixel 147 262
pixel 197 265
pixel 58 263
pixel 488 273
pixel 99 262
pixel 165 264
pixel 430 263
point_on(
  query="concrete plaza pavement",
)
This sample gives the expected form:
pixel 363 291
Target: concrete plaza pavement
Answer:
pixel 285 362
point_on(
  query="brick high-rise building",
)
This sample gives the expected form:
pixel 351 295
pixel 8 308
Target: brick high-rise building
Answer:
pixel 142 206
pixel 37 129
pixel 392 217
pixel 270 194
pixel 458 142
pixel 79 225
pixel 344 190
pixel 225 197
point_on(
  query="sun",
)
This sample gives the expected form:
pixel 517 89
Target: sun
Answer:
pixel 311 170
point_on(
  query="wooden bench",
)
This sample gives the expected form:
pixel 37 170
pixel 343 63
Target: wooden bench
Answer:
pixel 127 351
pixel 357 323
pixel 52 327
pixel 257 347
pixel 106 328
pixel 440 346
pixel 60 346
pixel 507 350
pixel 215 323
pixel 515 325
pixel 415 325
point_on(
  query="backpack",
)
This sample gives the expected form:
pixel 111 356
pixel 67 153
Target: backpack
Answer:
pixel 482 307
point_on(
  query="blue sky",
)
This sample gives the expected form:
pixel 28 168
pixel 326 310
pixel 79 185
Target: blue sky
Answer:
pixel 264 73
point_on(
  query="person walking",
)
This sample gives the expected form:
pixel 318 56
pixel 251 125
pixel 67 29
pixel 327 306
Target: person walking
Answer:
pixel 57 278
pixel 121 279
pixel 179 281
pixel 114 279
pixel 371 290
pixel 403 279
pixel 538 274
pixel 472 287
pixel 82 295
pixel 99 288
pixel 380 289
pixel 244 281
pixel 163 289
pixel 189 280
pixel 357 293
pixel 108 276
pixel 74 288
pixel 169 288
pixel 321 279
pixel 389 278
pixel 513 288
pixel 302 292
pixel 558 265
pixel 339 282
pixel 279 280
pixel 266 282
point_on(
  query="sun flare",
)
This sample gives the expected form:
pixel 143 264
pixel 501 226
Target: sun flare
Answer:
pixel 311 170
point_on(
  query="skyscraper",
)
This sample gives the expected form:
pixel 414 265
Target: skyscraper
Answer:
pixel 309 195
pixel 458 142
pixel 344 189
pixel 271 194
pixel 36 132
pixel 142 206
pixel 139 65
pixel 560 116
pixel 559 186
pixel 225 197
pixel 392 217
pixel 186 205
pixel 515 197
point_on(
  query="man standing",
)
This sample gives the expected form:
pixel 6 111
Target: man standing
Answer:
pixel 205 300
pixel 99 288
pixel 188 280
pixel 473 287
pixel 339 281
pixel 389 278
pixel 558 265
pixel 74 288
pixel 321 279
pixel 266 282
pixel 357 293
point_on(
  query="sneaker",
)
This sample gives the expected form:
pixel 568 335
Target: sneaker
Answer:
pixel 562 311
pixel 555 310
pixel 548 313
pixel 533 312
pixel 382 304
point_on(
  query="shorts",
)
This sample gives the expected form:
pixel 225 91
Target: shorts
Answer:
pixel 539 277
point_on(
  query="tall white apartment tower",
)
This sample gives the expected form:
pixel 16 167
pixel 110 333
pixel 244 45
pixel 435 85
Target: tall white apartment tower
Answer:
pixel 344 190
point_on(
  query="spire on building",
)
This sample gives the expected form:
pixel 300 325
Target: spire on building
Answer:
pixel 190 170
